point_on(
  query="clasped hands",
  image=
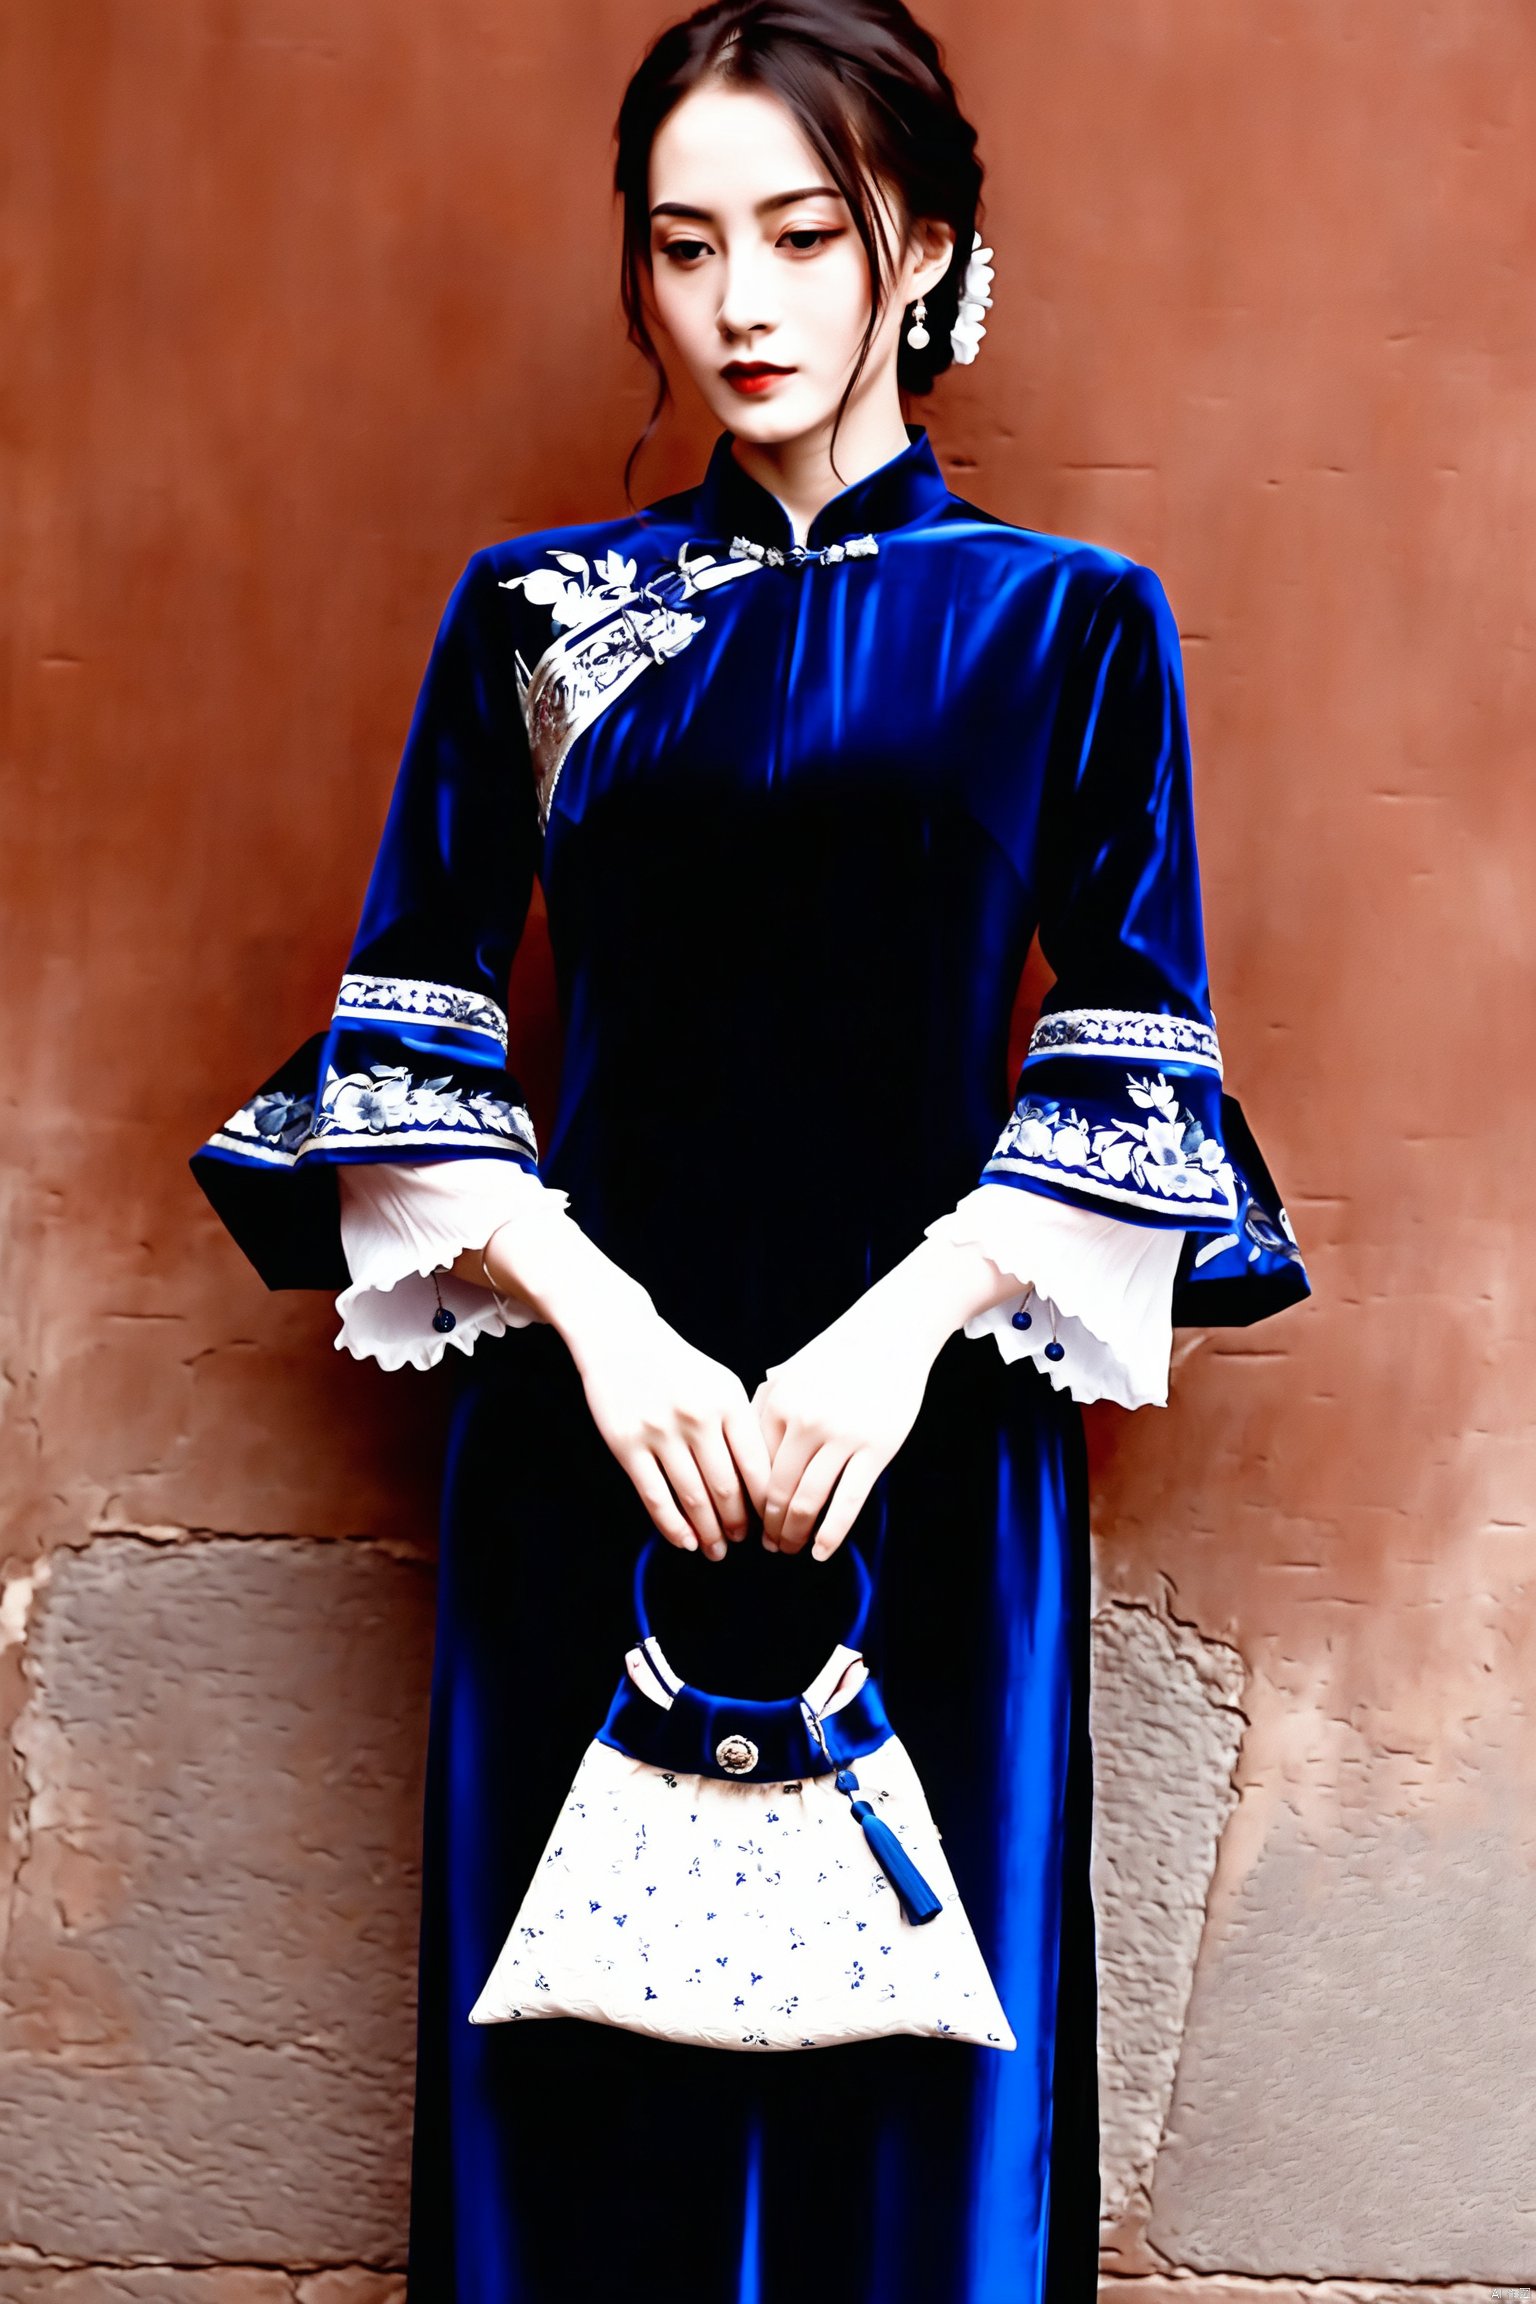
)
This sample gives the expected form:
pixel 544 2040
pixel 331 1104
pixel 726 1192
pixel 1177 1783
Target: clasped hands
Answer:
pixel 806 1448
pixel 804 1451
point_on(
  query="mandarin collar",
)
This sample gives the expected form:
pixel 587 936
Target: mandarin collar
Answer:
pixel 729 502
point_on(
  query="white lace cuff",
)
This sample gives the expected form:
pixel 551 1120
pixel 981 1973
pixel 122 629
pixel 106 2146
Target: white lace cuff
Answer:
pixel 400 1222
pixel 1099 1286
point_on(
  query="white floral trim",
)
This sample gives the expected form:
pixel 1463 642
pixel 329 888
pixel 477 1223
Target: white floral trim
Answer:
pixel 1166 1159
pixel 410 1000
pixel 387 1102
pixel 1257 1234
pixel 273 1128
pixel 365 1111
pixel 1122 1033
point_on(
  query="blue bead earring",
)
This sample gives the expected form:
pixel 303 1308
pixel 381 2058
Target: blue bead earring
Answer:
pixel 442 1319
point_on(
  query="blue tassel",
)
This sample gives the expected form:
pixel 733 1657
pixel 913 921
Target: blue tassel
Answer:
pixel 918 1900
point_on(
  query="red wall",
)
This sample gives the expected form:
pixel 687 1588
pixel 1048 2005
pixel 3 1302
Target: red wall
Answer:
pixel 310 300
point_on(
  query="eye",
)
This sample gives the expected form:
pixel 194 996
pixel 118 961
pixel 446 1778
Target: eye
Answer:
pixel 682 251
pixel 809 233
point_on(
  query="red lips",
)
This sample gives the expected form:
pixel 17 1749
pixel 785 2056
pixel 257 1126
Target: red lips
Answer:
pixel 752 375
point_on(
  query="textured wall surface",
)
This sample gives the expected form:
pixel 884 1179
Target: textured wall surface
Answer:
pixel 307 299
pixel 212 1934
pixel 1166 1728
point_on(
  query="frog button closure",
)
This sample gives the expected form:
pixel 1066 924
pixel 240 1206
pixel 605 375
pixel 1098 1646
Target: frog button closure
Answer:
pixel 737 1755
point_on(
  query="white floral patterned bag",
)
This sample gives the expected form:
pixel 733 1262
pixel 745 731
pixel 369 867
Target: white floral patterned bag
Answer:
pixel 747 1875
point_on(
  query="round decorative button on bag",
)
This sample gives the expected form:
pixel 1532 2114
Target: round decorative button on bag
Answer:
pixel 737 1755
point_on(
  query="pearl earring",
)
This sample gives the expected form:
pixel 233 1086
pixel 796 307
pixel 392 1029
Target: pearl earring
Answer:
pixel 917 334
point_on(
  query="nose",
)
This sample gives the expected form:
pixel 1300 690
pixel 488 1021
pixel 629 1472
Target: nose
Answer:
pixel 746 298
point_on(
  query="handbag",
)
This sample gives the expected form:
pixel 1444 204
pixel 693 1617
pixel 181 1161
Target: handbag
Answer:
pixel 746 1873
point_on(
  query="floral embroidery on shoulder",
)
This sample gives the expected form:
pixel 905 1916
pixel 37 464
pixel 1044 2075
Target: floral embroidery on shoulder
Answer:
pixel 609 628
pixel 577 589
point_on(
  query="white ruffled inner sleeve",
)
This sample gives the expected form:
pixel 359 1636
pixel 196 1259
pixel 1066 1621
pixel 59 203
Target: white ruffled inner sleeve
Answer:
pixel 401 1222
pixel 1099 1286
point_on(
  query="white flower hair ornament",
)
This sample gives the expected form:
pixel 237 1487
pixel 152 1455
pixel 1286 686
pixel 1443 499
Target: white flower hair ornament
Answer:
pixel 975 299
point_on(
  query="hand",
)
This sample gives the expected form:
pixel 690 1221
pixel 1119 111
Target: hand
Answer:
pixel 833 1416
pixel 680 1424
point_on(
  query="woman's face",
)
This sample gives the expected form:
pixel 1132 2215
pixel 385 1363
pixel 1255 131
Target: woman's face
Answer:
pixel 758 275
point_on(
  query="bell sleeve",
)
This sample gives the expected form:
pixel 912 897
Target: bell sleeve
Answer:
pixel 412 1066
pixel 1119 1107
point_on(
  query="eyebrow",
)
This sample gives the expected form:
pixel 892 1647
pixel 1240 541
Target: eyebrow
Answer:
pixel 779 200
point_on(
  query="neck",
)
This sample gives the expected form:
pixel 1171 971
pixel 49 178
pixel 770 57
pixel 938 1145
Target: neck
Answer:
pixel 800 472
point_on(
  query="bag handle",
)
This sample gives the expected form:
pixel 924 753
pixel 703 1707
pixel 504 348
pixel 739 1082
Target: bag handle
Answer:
pixel 862 1579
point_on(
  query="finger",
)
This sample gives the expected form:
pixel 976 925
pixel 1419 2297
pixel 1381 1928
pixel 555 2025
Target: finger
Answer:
pixel 770 1425
pixel 658 1500
pixel 718 1467
pixel 688 1485
pixel 848 1500
pixel 770 1421
pixel 753 1457
pixel 811 1492
pixel 790 1459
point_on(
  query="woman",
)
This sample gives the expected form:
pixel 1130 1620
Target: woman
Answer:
pixel 802 757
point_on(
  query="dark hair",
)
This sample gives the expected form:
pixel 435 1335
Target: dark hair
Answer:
pixel 868 87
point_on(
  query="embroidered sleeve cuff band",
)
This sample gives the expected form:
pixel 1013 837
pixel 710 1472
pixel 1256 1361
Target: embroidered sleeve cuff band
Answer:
pixel 1125 1036
pixel 380 1108
pixel 405 1001
pixel 1141 1150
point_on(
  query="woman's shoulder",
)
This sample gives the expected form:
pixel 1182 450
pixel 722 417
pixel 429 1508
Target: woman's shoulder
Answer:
pixel 1075 568
pixel 1076 556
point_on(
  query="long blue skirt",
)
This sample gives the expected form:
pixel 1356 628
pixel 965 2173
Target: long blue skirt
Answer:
pixel 565 2162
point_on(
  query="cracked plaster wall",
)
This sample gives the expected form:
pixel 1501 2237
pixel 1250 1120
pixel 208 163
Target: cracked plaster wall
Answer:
pixel 211 1937
pixel 283 281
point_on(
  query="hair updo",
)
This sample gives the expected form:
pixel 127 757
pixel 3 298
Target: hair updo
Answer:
pixel 868 88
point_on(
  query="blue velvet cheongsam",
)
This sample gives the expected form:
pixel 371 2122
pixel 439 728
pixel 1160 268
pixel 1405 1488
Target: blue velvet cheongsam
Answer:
pixel 798 813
